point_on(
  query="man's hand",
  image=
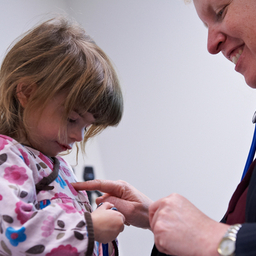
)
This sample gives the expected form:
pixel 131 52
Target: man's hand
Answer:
pixel 129 201
pixel 181 229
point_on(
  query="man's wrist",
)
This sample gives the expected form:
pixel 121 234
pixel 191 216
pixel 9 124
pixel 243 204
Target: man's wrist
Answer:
pixel 227 245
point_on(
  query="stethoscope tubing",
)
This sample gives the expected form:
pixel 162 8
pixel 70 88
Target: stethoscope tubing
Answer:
pixel 252 149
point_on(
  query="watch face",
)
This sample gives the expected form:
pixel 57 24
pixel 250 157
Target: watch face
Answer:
pixel 226 247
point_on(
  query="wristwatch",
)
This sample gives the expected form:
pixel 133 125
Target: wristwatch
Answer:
pixel 227 245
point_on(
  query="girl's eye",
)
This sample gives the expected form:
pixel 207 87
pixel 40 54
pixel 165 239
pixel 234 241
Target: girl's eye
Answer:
pixel 70 120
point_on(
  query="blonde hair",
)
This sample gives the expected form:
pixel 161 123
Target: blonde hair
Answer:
pixel 59 57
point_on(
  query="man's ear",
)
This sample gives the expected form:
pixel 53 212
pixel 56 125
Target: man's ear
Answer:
pixel 24 92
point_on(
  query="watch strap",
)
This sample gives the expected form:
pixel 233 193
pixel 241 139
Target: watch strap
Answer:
pixel 233 230
pixel 230 235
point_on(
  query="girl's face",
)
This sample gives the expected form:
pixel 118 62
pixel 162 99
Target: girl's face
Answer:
pixel 47 133
pixel 232 30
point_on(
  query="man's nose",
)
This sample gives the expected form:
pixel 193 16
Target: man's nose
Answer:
pixel 216 39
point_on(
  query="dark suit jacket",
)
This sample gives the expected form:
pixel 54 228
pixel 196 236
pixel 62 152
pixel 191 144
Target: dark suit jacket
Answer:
pixel 246 237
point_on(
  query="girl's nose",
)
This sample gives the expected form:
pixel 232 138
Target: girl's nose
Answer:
pixel 77 135
pixel 216 39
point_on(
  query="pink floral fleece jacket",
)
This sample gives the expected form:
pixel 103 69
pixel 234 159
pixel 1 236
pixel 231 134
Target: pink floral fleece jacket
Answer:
pixel 50 223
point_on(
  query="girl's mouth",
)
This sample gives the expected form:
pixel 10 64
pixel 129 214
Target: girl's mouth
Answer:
pixel 64 147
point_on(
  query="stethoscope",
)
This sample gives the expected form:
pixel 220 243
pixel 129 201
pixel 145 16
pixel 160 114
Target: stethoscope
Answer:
pixel 252 149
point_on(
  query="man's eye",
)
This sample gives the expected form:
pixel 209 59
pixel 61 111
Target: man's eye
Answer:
pixel 221 13
pixel 70 120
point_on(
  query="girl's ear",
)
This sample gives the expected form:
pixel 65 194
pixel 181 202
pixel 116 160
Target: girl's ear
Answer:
pixel 24 92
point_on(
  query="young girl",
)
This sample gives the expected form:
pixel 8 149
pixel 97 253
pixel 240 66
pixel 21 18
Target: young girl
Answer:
pixel 57 87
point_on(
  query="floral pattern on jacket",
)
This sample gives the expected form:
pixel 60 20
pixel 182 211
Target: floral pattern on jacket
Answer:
pixel 49 223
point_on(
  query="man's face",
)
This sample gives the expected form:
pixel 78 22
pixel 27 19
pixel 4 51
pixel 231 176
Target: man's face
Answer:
pixel 232 30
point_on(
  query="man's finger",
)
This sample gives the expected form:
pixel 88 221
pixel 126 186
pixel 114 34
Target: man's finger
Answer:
pixel 106 186
pixel 87 185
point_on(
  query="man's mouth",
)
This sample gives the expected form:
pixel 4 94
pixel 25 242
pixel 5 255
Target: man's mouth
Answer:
pixel 235 57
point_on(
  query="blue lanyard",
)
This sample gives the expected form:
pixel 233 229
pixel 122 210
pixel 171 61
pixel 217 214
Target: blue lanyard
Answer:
pixel 252 149
pixel 105 249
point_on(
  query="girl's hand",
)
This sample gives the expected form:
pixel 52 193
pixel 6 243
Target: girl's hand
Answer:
pixel 129 201
pixel 107 223
pixel 181 229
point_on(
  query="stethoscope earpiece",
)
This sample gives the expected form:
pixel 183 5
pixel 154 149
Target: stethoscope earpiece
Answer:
pixel 254 118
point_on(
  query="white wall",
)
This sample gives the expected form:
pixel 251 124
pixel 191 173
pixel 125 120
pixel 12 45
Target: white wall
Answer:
pixel 187 121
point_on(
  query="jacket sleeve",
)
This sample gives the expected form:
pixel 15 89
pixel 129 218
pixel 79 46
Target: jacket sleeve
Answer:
pixel 246 240
pixel 155 252
pixel 29 227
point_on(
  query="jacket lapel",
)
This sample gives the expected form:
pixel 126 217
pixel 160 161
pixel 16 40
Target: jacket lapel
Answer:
pixel 250 212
